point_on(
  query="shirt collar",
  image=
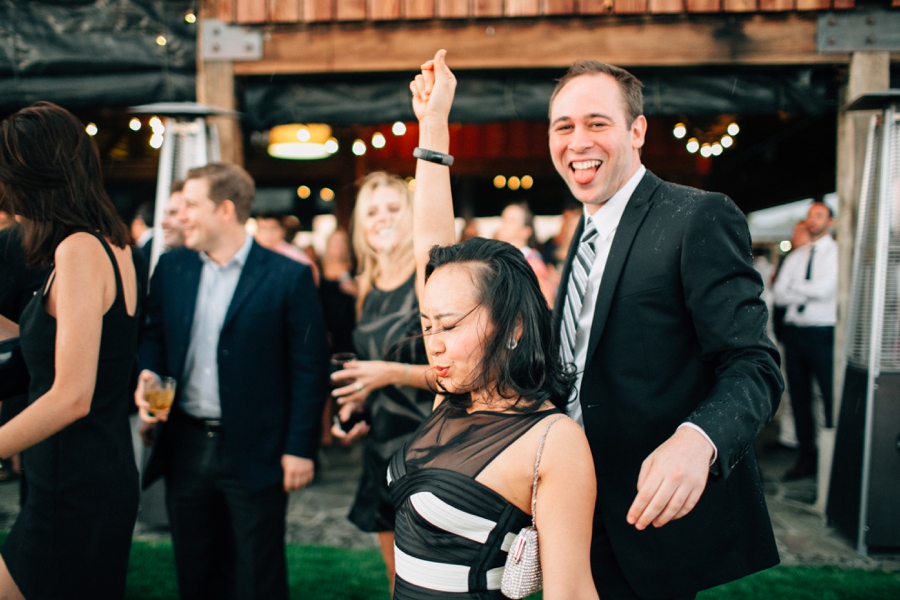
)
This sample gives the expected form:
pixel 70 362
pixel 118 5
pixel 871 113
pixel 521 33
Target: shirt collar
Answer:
pixel 607 217
pixel 239 259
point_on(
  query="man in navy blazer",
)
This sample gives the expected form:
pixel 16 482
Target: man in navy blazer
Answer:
pixel 240 328
pixel 675 374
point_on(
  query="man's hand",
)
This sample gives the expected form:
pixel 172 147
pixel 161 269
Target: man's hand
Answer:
pixel 298 472
pixel 144 407
pixel 148 433
pixel 672 479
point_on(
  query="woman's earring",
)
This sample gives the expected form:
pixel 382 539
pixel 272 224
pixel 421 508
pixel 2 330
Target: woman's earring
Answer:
pixel 512 343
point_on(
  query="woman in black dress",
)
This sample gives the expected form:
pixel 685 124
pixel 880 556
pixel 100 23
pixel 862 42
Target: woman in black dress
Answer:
pixel 78 336
pixel 390 379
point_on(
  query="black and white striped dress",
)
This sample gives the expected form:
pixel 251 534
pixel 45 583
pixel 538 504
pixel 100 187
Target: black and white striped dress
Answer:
pixel 452 532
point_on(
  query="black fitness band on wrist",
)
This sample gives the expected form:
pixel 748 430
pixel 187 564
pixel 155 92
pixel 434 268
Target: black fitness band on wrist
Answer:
pixel 432 156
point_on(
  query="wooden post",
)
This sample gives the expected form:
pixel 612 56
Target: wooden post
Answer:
pixel 215 87
pixel 869 72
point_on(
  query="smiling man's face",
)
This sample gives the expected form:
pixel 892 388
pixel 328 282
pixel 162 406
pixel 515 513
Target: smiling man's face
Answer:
pixel 593 146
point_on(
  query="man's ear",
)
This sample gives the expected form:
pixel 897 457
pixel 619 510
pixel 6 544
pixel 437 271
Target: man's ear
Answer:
pixel 226 209
pixel 638 131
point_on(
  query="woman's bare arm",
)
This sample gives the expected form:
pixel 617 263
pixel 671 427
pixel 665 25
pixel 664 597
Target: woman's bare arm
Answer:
pixel 567 491
pixel 433 224
pixel 8 329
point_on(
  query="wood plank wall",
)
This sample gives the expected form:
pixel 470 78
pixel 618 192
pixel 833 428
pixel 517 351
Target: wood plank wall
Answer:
pixel 312 11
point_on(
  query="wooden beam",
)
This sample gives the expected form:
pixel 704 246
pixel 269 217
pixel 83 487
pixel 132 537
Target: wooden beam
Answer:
pixel 418 9
pixel 636 41
pixel 562 7
pixel 522 8
pixel 776 5
pixel 452 9
pixel 384 10
pixel 702 6
pixel 284 11
pixel 624 7
pixel 666 6
pixel 739 5
pixel 251 11
pixel 215 87
pixel 317 10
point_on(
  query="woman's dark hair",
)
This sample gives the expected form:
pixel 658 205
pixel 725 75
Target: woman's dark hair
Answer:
pixel 50 175
pixel 508 289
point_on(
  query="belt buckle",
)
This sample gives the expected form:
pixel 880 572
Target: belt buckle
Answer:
pixel 212 427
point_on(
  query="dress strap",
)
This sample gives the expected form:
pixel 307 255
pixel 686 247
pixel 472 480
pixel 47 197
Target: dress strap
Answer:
pixel 120 289
pixel 537 463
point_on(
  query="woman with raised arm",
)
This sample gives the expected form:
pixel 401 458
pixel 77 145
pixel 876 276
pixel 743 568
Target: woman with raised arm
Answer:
pixel 463 485
pixel 78 337
pixel 390 379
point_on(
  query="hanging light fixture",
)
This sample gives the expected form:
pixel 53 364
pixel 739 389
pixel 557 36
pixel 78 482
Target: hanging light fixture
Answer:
pixel 297 141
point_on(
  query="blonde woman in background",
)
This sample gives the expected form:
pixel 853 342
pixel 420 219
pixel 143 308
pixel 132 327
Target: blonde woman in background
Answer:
pixel 390 379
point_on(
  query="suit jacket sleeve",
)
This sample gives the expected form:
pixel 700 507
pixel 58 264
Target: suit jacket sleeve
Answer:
pixel 152 349
pixel 307 348
pixel 722 293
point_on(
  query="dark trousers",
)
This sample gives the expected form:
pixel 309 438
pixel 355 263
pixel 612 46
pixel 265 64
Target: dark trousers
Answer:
pixel 228 543
pixel 808 353
pixel 608 576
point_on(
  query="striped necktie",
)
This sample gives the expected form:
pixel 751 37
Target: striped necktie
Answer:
pixel 578 283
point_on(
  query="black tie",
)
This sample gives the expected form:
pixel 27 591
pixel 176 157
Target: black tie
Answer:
pixel 812 250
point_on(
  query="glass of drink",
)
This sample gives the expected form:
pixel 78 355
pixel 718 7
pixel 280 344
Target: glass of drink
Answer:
pixel 337 363
pixel 159 393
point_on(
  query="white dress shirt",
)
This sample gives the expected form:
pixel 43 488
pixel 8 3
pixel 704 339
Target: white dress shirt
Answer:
pixel 818 294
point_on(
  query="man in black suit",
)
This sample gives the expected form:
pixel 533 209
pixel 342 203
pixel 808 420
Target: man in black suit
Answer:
pixel 141 228
pixel 240 327
pixel 660 311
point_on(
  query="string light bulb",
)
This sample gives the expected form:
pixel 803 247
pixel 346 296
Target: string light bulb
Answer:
pixel 679 131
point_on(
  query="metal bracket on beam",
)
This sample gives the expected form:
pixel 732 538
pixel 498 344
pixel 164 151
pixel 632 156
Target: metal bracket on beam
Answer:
pixel 876 30
pixel 229 42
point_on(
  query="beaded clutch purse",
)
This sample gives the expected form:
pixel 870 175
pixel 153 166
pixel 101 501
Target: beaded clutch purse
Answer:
pixel 522 574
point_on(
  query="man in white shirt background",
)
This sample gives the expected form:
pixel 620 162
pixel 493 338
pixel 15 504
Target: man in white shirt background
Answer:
pixel 807 287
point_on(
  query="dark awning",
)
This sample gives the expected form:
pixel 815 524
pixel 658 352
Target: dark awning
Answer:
pixel 487 96
pixel 83 53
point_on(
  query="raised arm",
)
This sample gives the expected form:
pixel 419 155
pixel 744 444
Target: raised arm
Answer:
pixel 432 92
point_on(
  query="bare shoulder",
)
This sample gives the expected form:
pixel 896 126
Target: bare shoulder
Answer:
pixel 79 246
pixel 81 254
pixel 565 433
pixel 566 443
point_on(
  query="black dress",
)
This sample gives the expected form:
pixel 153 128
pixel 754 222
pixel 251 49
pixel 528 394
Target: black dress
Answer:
pixel 389 329
pixel 73 536
pixel 452 532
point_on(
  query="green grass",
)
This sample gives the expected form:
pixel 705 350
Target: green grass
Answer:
pixel 335 573
pixel 326 573
pixel 318 572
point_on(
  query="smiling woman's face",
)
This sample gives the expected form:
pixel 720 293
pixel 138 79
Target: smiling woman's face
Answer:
pixel 382 221
pixel 455 325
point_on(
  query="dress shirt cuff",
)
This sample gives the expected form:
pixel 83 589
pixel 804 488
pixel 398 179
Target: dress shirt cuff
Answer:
pixel 707 438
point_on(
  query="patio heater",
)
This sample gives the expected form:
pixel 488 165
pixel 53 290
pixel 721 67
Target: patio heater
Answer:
pixel 865 478
pixel 188 142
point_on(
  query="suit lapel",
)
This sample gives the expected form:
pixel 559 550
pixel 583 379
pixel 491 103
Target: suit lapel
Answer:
pixel 189 285
pixel 635 211
pixel 251 274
